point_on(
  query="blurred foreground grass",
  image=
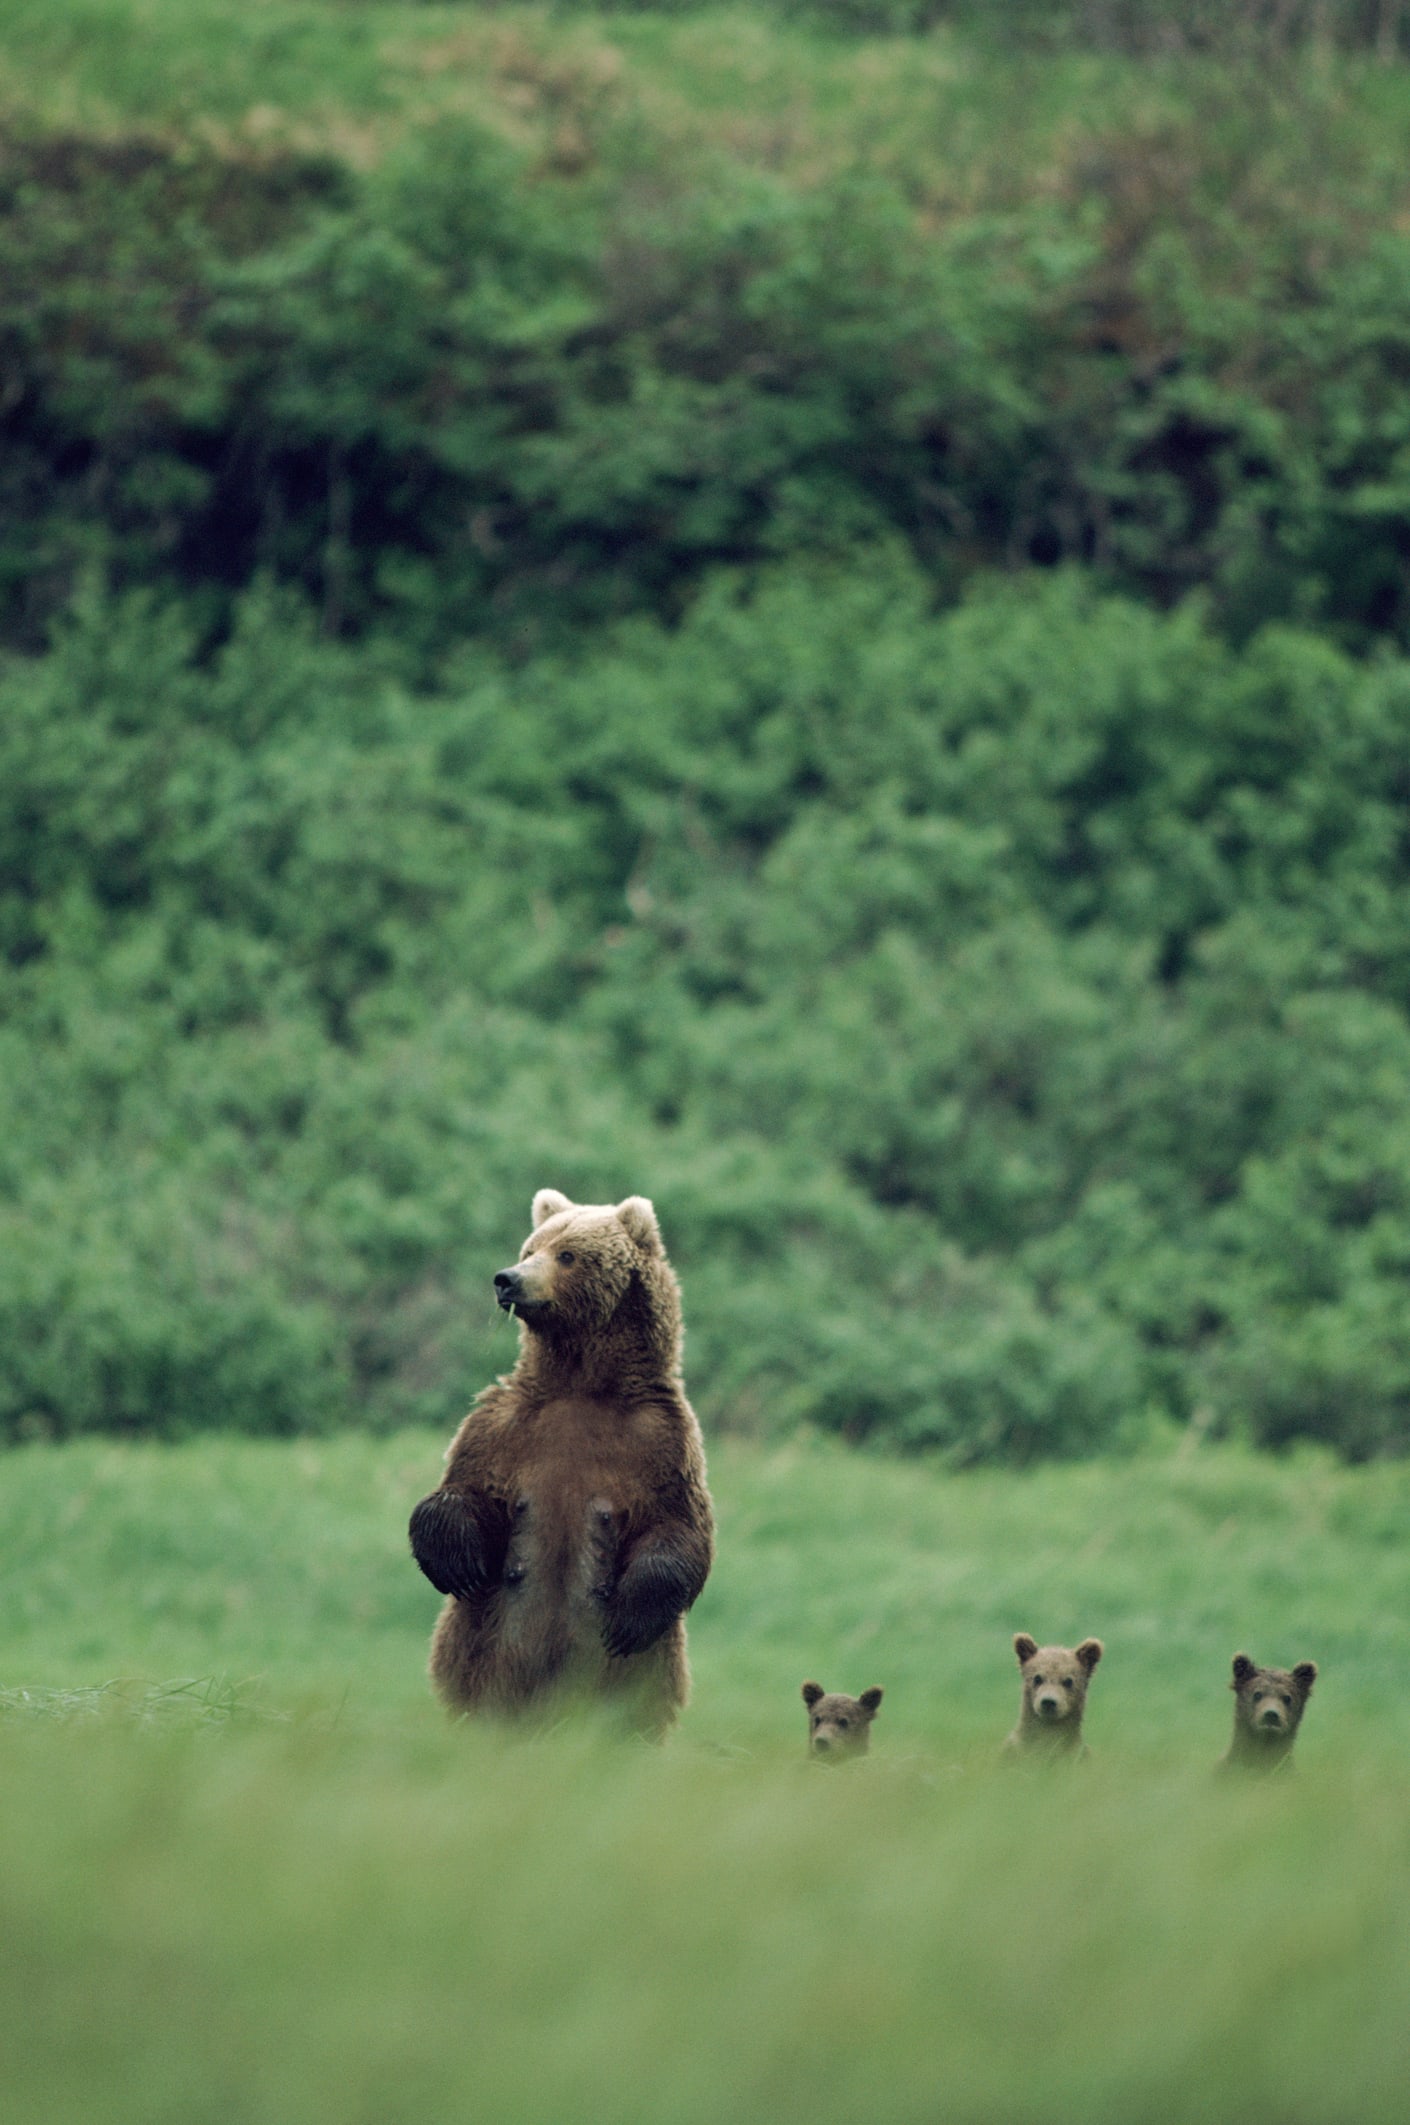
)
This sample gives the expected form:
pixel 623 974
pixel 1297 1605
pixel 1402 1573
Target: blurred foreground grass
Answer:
pixel 320 1927
pixel 293 1893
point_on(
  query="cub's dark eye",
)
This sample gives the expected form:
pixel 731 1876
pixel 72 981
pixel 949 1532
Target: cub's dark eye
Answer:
pixel 842 1722
pixel 566 1254
pixel 1067 1682
pixel 1258 1696
pixel 1037 1678
pixel 817 1719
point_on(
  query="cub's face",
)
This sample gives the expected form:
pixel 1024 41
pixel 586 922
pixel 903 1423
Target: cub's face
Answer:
pixel 1270 1702
pixel 839 1727
pixel 577 1263
pixel 1055 1677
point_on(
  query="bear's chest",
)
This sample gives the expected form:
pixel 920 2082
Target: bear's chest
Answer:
pixel 574 1484
pixel 570 1450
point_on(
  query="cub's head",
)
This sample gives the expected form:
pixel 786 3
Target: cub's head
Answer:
pixel 579 1261
pixel 1269 1702
pixel 839 1727
pixel 1055 1678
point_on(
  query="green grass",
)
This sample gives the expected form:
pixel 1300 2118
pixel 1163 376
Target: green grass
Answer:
pixel 164 60
pixel 960 124
pixel 283 1568
pixel 315 1928
pixel 248 1874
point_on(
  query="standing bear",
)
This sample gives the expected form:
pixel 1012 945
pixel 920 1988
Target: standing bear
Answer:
pixel 573 1527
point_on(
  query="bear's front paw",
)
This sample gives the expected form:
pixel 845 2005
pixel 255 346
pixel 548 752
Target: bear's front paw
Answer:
pixel 650 1594
pixel 445 1541
pixel 629 1635
pixel 632 1629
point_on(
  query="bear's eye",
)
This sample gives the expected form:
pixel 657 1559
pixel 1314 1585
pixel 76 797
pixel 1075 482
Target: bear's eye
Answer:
pixel 1037 1679
pixel 1067 1682
pixel 842 1722
pixel 567 1255
pixel 1258 1696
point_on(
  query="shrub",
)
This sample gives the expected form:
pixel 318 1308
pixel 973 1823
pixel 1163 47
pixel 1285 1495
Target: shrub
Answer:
pixel 1007 1007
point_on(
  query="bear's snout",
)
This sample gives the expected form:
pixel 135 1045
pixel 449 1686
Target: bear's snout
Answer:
pixel 527 1284
pixel 836 1742
pixel 833 1747
pixel 1270 1716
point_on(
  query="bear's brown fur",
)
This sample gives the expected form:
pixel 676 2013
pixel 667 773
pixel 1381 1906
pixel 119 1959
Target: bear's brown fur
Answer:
pixel 1268 1708
pixel 573 1528
pixel 839 1728
pixel 1055 1680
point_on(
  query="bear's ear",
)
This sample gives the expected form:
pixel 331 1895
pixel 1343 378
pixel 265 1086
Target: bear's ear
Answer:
pixel 812 1691
pixel 547 1203
pixel 1304 1675
pixel 639 1219
pixel 1089 1652
pixel 1243 1669
pixel 1024 1646
pixel 870 1700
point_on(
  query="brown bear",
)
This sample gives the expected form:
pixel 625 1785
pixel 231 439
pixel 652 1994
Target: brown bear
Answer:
pixel 839 1728
pixel 1054 1698
pixel 573 1527
pixel 1268 1708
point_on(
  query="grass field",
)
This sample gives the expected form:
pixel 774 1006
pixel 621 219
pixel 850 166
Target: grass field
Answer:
pixel 362 72
pixel 961 124
pixel 246 1873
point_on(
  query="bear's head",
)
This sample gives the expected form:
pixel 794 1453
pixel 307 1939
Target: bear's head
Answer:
pixel 1055 1678
pixel 839 1727
pixel 1269 1702
pixel 581 1261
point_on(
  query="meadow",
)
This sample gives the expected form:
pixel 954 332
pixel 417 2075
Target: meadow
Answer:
pixel 809 621
pixel 247 1872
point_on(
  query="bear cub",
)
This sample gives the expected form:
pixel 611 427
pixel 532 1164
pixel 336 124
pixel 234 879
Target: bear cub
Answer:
pixel 839 1728
pixel 1268 1708
pixel 1055 1680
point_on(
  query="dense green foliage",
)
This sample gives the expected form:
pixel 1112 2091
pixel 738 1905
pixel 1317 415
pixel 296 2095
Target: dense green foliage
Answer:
pixel 1007 1008
pixel 538 654
pixel 304 1896
pixel 563 350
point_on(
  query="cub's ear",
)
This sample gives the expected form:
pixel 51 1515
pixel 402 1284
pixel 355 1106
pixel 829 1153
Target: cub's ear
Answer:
pixel 1243 1669
pixel 812 1691
pixel 1089 1652
pixel 547 1203
pixel 870 1700
pixel 639 1218
pixel 1024 1646
pixel 1304 1675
